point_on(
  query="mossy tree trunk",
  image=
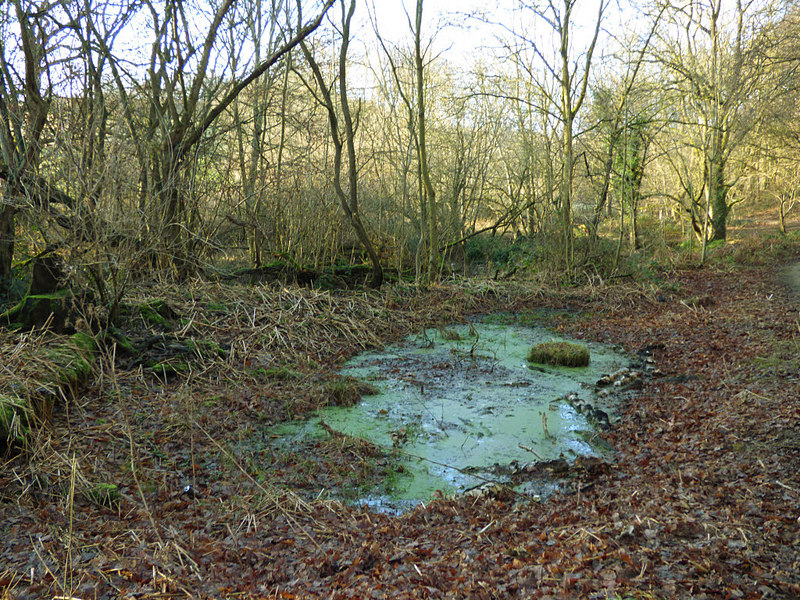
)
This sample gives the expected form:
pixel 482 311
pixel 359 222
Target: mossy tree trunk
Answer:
pixel 7 235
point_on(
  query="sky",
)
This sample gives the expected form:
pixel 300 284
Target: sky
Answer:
pixel 464 37
pixel 443 19
pixel 464 32
pixel 459 36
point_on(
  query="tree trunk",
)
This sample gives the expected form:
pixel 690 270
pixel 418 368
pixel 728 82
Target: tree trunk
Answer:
pixel 349 200
pixel 7 222
pixel 566 196
pixel 719 200
pixel 429 191
pixel 602 201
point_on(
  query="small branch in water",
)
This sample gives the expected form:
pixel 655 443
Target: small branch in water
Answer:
pixel 532 451
pixel 330 430
pixel 547 434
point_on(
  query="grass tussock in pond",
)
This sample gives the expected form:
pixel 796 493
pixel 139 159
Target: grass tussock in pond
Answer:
pixel 348 391
pixel 560 354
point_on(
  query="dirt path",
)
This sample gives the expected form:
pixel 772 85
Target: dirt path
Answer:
pixel 702 501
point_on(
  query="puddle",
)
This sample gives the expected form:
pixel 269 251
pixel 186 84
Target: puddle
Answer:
pixel 462 406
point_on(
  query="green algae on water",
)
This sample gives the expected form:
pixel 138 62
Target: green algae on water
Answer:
pixel 460 407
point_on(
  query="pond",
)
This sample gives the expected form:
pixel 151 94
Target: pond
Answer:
pixel 462 406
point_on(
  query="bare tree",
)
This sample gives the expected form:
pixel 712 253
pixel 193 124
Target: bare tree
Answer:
pixel 343 138
pixel 24 104
pixel 261 30
pixel 571 75
pixel 413 94
pixel 424 165
pixel 716 59
pixel 184 100
pixel 40 45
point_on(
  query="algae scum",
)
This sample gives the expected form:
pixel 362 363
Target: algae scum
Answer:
pixel 462 406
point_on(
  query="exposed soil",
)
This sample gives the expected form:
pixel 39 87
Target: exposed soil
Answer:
pixel 703 500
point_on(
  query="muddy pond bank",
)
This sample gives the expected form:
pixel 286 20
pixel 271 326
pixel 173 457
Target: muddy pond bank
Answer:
pixel 461 408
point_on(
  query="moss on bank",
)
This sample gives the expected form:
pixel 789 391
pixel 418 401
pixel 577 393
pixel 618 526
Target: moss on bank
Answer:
pixel 65 366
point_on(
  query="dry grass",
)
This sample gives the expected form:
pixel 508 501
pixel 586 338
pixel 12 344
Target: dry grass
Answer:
pixel 262 331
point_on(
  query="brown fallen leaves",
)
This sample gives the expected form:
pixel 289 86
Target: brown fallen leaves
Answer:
pixel 703 500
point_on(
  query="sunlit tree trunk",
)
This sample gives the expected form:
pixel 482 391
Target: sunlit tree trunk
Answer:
pixel 424 165
pixel 718 59
pixel 344 141
pixel 571 102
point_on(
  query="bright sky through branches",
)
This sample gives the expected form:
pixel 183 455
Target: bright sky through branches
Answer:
pixel 467 33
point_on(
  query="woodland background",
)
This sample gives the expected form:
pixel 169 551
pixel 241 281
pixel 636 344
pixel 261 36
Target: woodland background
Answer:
pixel 147 137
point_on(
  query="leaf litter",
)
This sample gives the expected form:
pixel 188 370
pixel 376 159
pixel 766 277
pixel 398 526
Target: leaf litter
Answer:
pixel 703 500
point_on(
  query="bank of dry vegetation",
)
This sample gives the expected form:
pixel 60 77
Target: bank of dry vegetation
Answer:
pixel 161 483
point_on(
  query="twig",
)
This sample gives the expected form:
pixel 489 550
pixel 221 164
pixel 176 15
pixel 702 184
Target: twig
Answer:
pixel 532 451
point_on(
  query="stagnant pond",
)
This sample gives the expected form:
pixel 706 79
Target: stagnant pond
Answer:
pixel 462 406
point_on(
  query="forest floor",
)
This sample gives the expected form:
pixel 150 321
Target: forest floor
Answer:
pixel 701 501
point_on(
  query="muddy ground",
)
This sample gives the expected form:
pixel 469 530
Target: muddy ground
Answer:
pixel 702 501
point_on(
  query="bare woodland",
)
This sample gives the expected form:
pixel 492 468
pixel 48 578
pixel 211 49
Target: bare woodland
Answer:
pixel 140 136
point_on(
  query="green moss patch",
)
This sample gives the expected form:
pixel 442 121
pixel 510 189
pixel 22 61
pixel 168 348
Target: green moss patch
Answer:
pixel 283 373
pixel 560 354
pixel 36 310
pixel 158 313
pixel 218 307
pixel 63 365
pixel 123 342
pixel 73 360
pixel 205 348
pixel 168 369
pixel 105 494
pixel 15 417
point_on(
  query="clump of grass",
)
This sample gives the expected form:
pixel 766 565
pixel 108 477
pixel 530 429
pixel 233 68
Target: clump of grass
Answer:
pixel 560 354
pixel 450 335
pixel 701 301
pixel 16 416
pixel 348 391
